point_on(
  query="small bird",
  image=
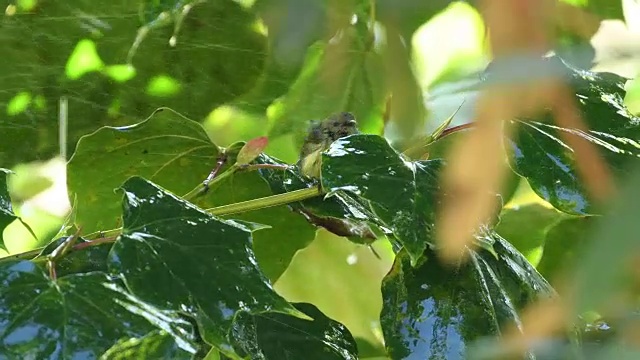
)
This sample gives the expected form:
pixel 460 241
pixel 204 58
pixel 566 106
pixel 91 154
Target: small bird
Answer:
pixel 320 136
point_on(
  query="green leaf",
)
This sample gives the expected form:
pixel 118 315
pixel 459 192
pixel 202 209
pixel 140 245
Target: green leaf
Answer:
pixel 613 242
pixel 563 245
pixel 279 336
pixel 435 311
pixel 7 216
pixel 167 148
pixel 288 232
pixel 177 257
pixel 86 260
pixel 339 76
pixel 402 194
pixel 526 226
pixel 541 156
pixel 61 319
pixel 154 345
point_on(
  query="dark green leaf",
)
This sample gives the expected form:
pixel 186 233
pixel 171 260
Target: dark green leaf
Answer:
pixel 6 209
pixel 86 260
pixel 154 345
pixel 279 336
pixel 177 257
pixel 288 232
pixel 341 214
pixel 76 316
pixel 402 194
pixel 541 156
pixel 433 311
pixel 166 148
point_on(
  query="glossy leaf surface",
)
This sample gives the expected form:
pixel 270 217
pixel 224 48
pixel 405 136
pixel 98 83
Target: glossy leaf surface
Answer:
pixel 166 148
pixel 402 194
pixel 177 257
pixel 279 336
pixel 543 157
pixel 435 311
pixel 46 319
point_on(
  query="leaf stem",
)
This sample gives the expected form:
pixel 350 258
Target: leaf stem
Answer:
pixel 268 201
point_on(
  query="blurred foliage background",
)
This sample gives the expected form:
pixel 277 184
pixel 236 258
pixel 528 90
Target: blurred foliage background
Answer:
pixel 267 67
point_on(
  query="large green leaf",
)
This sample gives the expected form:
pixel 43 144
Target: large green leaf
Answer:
pixel 282 337
pixel 434 311
pixel 6 210
pixel 167 148
pixel 76 316
pixel 402 194
pixel 177 257
pixel 78 49
pixel 541 156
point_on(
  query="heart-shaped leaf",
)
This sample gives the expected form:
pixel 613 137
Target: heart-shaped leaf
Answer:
pixel 178 257
pixel 434 311
pixel 279 336
pixel 167 148
pixel 61 319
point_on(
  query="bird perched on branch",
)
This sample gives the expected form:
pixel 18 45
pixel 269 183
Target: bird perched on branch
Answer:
pixel 320 136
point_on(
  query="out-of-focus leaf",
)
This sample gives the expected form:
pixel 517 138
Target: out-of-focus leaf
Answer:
pixel 433 311
pixel 219 55
pixel 55 319
pixel 408 15
pixel 6 210
pixel 279 336
pixel 603 8
pixel 402 194
pixel 563 245
pixel 293 26
pixel 154 345
pixel 526 227
pixel 177 257
pixel 632 98
pixel 541 156
pixel 167 148
pixel 342 75
pixel 613 242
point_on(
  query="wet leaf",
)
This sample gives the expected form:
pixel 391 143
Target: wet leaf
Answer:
pixel 340 213
pixel 402 194
pixel 541 156
pixel 6 209
pixel 435 311
pixel 275 246
pixel 154 345
pixel 279 336
pixel 177 257
pixel 46 319
pixel 86 260
pixel 166 148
